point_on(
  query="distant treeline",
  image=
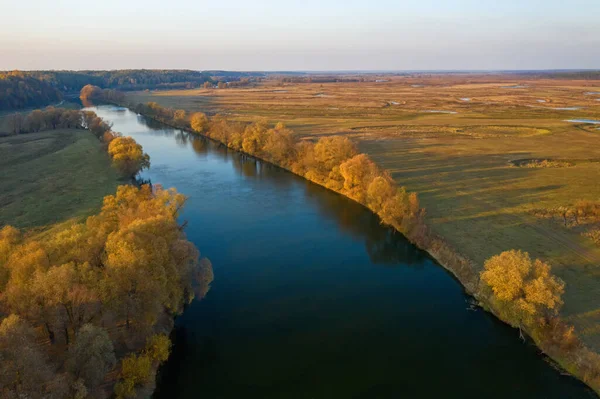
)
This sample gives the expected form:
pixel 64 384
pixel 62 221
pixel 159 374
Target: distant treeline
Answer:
pixel 20 89
pixel 584 75
pixel 320 79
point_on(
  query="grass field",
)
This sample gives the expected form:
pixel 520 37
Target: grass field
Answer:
pixel 51 176
pixel 451 139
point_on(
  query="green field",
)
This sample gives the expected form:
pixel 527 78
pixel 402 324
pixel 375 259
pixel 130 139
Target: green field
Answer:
pixel 458 161
pixel 51 176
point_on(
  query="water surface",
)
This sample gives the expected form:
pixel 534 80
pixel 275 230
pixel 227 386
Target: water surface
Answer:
pixel 313 298
pixel 591 121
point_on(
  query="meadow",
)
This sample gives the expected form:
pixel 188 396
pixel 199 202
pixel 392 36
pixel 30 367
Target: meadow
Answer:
pixel 459 141
pixel 51 176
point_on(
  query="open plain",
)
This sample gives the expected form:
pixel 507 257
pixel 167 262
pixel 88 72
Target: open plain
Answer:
pixel 461 142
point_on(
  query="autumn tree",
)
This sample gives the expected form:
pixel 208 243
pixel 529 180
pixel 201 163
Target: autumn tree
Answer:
pixel 35 121
pixel 148 264
pixel 24 368
pixel 254 137
pixel 135 371
pixel 179 117
pixel 522 289
pixel 91 356
pixel 358 172
pixel 9 238
pixel 199 122
pixel 329 153
pixel 71 291
pixel 279 145
pixel 158 348
pixel 128 156
pixel 90 92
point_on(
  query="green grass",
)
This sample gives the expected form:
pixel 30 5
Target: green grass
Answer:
pixel 51 176
pixel 458 163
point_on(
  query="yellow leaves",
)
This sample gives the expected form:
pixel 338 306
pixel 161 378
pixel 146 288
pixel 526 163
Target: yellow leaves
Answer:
pixel 158 347
pixel 199 122
pixel 25 260
pixel 544 289
pixel 505 274
pixel 128 156
pixel 332 151
pixel 358 172
pixel 523 287
pixel 135 370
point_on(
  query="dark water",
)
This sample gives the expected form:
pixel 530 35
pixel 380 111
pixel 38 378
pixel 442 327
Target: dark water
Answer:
pixel 312 298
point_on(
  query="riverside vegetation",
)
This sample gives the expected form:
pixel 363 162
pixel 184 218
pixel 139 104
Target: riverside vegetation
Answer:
pixel 521 291
pixel 87 305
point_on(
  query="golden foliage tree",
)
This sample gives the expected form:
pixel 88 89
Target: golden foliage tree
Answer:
pixel 523 289
pixel 128 156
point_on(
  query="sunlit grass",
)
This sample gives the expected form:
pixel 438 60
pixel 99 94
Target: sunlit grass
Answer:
pixel 51 176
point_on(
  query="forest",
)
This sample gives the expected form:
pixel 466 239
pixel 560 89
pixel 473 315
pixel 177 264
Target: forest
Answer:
pixel 87 306
pixel 20 90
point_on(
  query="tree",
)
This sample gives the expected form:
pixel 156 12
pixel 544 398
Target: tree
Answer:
pixel 523 289
pixel 91 356
pixel 179 117
pixel 24 369
pixel 15 123
pixel 9 238
pixel 199 122
pixel 135 371
pixel 279 145
pixel 327 154
pixel 158 348
pixel 128 156
pixel 254 137
pixel 35 121
pixel 70 290
pixel 358 172
pixel 207 85
pixel 90 92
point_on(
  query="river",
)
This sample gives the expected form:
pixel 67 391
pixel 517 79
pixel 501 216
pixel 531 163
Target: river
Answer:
pixel 313 298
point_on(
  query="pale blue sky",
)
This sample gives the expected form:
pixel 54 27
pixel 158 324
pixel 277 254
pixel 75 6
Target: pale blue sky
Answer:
pixel 300 35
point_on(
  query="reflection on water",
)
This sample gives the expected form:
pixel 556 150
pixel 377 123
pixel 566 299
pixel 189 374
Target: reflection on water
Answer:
pixel 313 298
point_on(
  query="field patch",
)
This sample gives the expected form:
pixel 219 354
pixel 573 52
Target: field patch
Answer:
pixel 51 176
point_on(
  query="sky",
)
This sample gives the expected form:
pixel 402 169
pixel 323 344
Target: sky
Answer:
pixel 301 35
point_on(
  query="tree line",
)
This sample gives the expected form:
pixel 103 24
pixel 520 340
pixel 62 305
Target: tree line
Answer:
pixel 333 162
pixel 24 89
pixel 126 154
pixel 19 90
